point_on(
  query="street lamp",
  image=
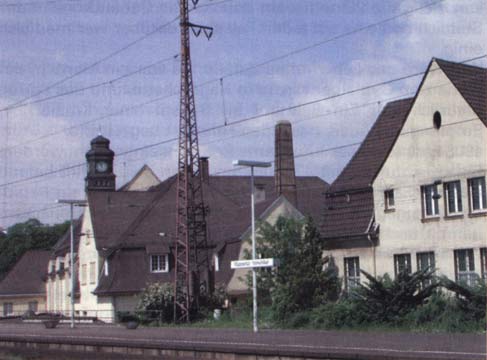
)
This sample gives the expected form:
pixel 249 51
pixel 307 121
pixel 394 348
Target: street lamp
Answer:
pixel 72 204
pixel 252 165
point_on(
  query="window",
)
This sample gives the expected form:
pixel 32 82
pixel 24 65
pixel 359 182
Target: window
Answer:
pixel 483 262
pixel 402 263
pixel 216 262
pixel 159 263
pixel 61 266
pixel 105 267
pixel 92 273
pixel 430 201
pixel 453 198
pixel 33 305
pixel 83 274
pixel 8 309
pixel 389 200
pixel 425 260
pixel 352 272
pixel 464 266
pixel 476 188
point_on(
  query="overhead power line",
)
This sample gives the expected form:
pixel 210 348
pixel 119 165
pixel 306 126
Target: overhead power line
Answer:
pixel 96 85
pixel 302 155
pixel 20 103
pixel 266 62
pixel 240 121
pixel 39 2
pixel 160 98
pixel 327 40
pixel 30 212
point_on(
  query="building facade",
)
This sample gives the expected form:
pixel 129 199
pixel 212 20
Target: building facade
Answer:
pixel 414 194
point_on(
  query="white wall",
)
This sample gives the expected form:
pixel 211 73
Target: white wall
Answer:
pixel 421 156
pixel 90 304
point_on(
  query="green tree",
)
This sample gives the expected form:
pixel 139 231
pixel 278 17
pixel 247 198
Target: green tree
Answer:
pixel 29 235
pixel 300 282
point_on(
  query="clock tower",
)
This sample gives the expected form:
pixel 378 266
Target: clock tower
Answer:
pixel 100 176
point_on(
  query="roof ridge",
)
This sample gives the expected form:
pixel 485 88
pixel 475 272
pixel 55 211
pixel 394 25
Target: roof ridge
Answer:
pixel 459 63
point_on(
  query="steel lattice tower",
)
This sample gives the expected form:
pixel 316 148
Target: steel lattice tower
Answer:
pixel 191 258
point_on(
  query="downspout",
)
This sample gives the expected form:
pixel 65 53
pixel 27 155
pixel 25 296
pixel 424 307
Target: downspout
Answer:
pixel 373 254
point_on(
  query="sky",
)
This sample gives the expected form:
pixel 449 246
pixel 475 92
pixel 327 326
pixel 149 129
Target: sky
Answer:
pixel 264 55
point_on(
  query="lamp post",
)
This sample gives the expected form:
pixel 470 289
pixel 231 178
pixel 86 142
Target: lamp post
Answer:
pixel 72 204
pixel 252 165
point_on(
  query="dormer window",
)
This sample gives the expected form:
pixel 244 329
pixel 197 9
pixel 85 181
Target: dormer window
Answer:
pixel 159 263
pixel 389 202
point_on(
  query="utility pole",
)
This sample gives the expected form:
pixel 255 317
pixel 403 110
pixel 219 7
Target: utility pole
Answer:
pixel 191 258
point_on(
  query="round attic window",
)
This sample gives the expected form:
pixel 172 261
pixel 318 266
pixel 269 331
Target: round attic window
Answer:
pixel 437 120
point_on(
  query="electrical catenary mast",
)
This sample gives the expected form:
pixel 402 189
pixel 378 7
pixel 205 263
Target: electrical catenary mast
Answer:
pixel 191 259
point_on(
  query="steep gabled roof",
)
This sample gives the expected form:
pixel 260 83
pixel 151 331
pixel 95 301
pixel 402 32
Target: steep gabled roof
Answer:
pixel 350 202
pixel 471 82
pixel 26 277
pixel 349 207
pixel 365 164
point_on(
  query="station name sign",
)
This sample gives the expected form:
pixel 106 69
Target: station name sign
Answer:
pixel 250 264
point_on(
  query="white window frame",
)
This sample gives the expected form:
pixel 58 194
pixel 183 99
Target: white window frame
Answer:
pixel 407 257
pixel 351 281
pixel 468 275
pixel 482 189
pixel 387 199
pixel 216 262
pixel 434 202
pixel 430 264
pixel 158 268
pixel 8 309
pixel 457 196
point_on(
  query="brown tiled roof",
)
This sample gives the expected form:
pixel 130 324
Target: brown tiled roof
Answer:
pixel 133 234
pixel 350 202
pixel 471 82
pixel 364 166
pixel 26 277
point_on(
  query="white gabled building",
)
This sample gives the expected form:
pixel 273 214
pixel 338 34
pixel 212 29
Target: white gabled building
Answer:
pixel 414 194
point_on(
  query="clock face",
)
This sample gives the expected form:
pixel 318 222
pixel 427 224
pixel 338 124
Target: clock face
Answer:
pixel 101 166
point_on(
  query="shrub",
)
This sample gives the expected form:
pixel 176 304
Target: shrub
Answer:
pixel 385 300
pixel 470 299
pixel 156 304
pixel 341 314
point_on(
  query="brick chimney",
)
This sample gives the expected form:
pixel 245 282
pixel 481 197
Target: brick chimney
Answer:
pixel 205 169
pixel 284 173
